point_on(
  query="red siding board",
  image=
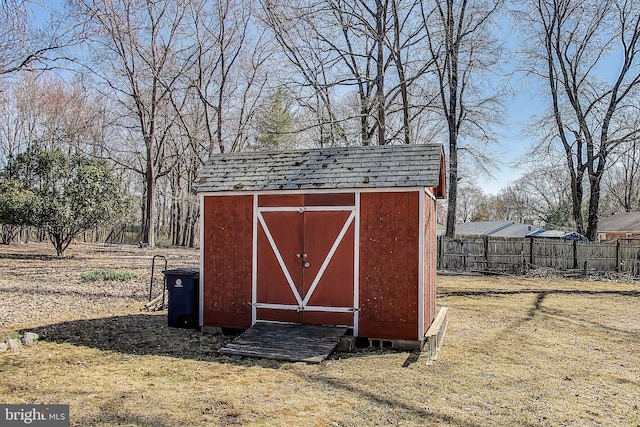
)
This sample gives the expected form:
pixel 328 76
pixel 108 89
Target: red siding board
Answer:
pixel 432 278
pixel 389 224
pixel 388 284
pixel 370 206
pixel 323 199
pixel 413 253
pixel 389 330
pixel 228 254
pixel 217 252
pixel 401 261
pixel 281 200
pixel 226 275
pixel 243 256
pixel 247 241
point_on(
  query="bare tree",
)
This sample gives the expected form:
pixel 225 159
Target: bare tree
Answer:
pixel 139 53
pixel 364 50
pixel 571 43
pixel 27 43
pixel 215 99
pixel 47 112
pixel 324 56
pixel 229 69
pixel 460 42
pixel 622 180
pixel 472 200
pixel 510 204
pixel 541 195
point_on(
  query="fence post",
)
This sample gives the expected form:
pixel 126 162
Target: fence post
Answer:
pixel 531 251
pixel 465 253
pixel 485 243
pixel 618 256
pixel 575 254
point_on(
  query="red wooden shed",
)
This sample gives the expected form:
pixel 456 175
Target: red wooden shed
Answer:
pixel 338 236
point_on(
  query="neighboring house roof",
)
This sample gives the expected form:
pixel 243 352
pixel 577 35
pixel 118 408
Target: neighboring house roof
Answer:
pixel 481 228
pixel 494 229
pixel 415 165
pixel 625 222
pixel 515 230
pixel 557 234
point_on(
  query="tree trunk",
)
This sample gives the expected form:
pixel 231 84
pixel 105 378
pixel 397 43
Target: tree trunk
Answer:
pixel 179 228
pixel 577 202
pixel 453 184
pixel 58 243
pixel 193 230
pixel 404 91
pixel 594 204
pixel 364 122
pixel 150 208
pixel 187 225
pixel 380 29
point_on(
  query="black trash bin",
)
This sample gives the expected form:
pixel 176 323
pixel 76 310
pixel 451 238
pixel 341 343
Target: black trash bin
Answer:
pixel 183 287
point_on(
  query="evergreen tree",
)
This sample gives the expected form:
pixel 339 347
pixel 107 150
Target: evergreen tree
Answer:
pixel 275 124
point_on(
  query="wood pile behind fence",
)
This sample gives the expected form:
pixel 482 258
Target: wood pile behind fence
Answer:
pixel 517 254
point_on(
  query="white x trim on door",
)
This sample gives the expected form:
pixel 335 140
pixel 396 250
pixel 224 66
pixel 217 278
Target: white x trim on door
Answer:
pixel 303 301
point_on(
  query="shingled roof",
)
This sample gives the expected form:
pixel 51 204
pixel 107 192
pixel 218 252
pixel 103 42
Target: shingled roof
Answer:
pixel 623 222
pixel 388 166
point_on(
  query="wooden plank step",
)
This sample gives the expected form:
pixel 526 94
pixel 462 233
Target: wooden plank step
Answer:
pixel 292 342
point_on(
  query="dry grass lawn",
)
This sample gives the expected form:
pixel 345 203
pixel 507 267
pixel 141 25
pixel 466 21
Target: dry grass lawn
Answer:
pixel 518 351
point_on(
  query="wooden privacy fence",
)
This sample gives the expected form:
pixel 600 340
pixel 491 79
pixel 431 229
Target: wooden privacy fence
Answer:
pixel 515 254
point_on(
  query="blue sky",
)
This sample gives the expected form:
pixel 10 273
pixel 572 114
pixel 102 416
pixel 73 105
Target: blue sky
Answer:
pixel 530 98
pixel 527 99
pixel 513 140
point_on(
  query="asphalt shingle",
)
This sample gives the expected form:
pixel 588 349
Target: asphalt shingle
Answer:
pixel 387 166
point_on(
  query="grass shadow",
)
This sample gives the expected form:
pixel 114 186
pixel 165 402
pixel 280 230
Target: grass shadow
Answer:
pixel 380 397
pixel 143 335
pixel 364 352
pixel 34 257
pixel 540 296
pixel 135 334
pixel 135 292
pixel 148 334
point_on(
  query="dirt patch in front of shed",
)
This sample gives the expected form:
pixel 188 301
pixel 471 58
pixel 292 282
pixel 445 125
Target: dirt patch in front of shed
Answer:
pixel 518 351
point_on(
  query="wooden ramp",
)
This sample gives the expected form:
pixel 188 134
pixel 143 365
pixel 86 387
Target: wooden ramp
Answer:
pixel 292 342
